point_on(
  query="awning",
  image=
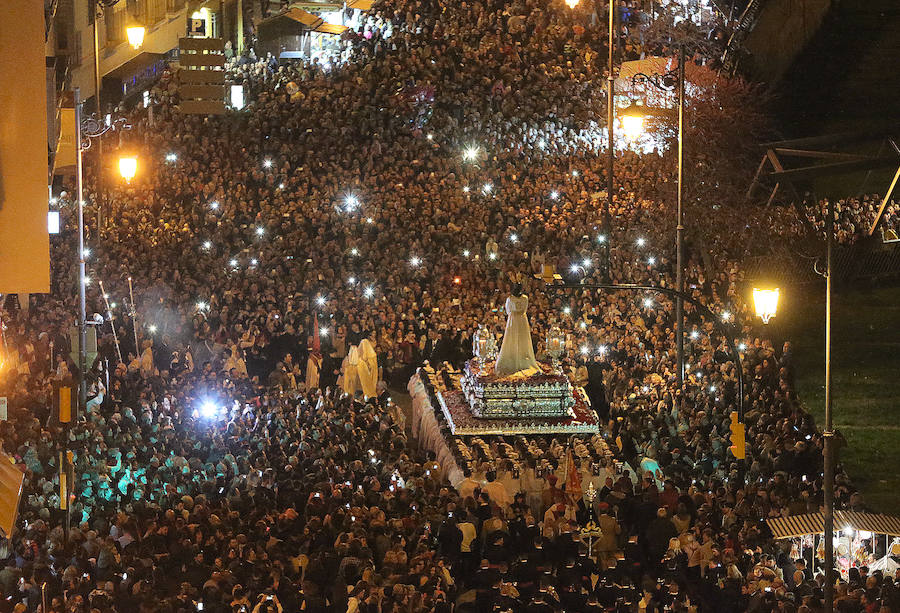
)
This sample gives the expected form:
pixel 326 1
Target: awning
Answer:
pixel 814 523
pixel 361 5
pixel 313 22
pixel 331 28
pixel 11 479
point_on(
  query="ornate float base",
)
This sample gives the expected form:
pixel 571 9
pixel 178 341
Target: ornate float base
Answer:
pixel 462 422
pixel 540 393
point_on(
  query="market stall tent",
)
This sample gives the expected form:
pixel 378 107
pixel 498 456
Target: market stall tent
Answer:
pixel 814 523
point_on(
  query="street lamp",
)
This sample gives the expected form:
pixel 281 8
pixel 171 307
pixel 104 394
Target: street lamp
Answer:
pixel 128 167
pixel 87 129
pixel 633 121
pixel 135 34
pixel 765 301
pixel 632 118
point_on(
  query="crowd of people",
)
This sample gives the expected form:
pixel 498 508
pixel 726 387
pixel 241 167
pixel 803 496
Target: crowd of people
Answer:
pixel 853 218
pixel 234 454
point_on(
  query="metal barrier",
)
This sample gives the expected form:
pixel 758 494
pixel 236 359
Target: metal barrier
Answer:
pixel 862 262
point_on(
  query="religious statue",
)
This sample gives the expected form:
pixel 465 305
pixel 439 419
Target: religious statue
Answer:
pixel 516 351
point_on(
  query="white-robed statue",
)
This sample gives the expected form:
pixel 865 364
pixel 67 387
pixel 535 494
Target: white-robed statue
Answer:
pixel 516 351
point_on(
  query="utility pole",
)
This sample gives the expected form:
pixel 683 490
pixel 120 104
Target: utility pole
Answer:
pixel 828 433
pixel 610 126
pixel 95 9
pixel 82 298
pixel 679 226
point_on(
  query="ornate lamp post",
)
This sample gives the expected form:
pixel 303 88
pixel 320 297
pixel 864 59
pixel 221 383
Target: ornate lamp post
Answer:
pixel 766 304
pixel 633 123
pixel 88 128
pixel 134 32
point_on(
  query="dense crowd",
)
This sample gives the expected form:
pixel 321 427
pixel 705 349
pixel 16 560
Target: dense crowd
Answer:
pixel 853 218
pixel 233 458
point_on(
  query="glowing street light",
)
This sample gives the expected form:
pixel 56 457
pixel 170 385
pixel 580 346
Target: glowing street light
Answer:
pixel 135 34
pixel 765 301
pixel 632 119
pixel 128 167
